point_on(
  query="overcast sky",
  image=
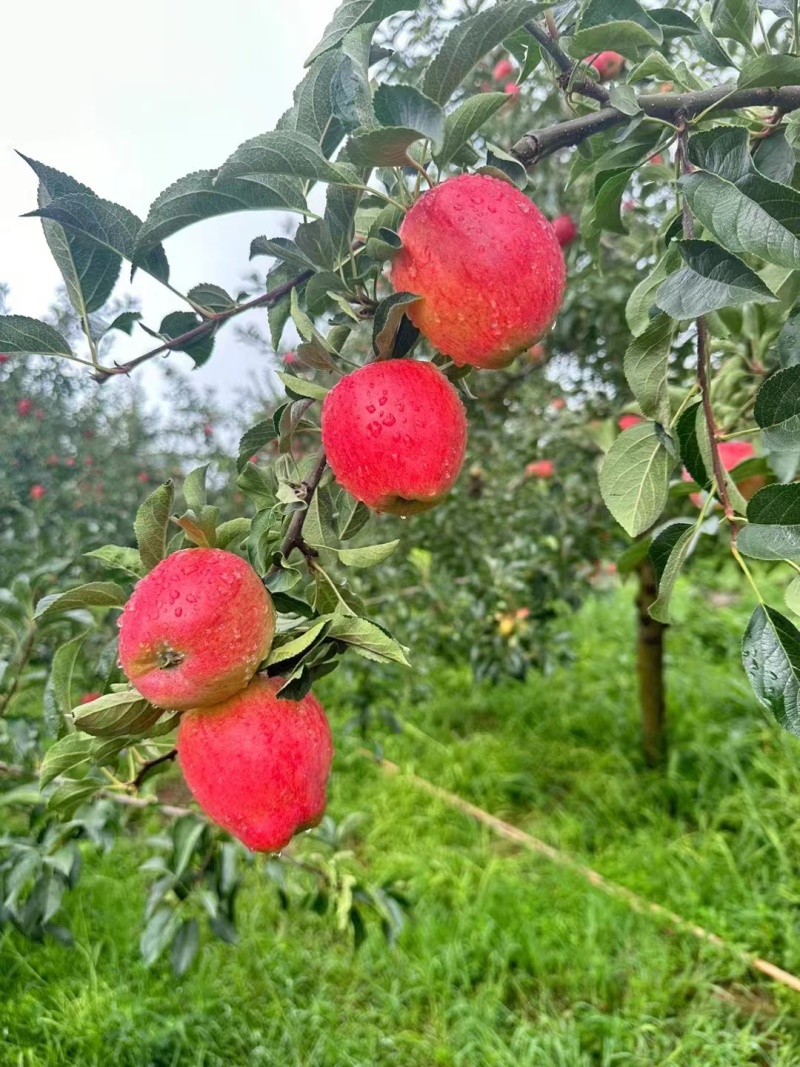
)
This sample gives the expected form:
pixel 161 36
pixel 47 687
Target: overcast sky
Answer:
pixel 129 98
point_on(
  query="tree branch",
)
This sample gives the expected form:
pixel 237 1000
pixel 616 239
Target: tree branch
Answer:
pixel 568 80
pixel 205 328
pixel 294 534
pixel 702 351
pixel 148 766
pixel 669 107
pixel 18 666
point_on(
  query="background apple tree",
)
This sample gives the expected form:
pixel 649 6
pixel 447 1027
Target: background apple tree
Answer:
pixel 679 310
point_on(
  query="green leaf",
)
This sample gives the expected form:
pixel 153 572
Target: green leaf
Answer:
pixel 350 522
pixel 504 166
pixel 775 71
pixel 124 714
pixel 773 524
pixel 470 115
pixel 294 647
pixel 667 553
pixel 178 323
pixel 777 410
pixel 771 657
pixel 642 299
pixel 353 13
pixel 351 95
pixel 752 215
pixel 792 595
pixel 126 321
pixel 228 533
pixel 318 97
pixel 200 196
pixel 712 279
pixel 58 690
pixel 281 248
pixel 788 342
pixel 341 205
pixel 386 146
pixel 278 313
pixel 20 335
pixel 634 479
pixel 151 523
pixel 654 66
pixel 111 226
pixel 405 106
pixel 388 317
pixel 469 41
pixel 366 557
pixel 161 928
pixel 254 440
pixel 647 367
pixel 283 152
pixel 724 151
pixel 194 488
pixel 734 19
pixel 71 794
pixel 318 523
pixel 211 298
pixel 314 241
pixel 624 99
pixel 91 595
pixel 707 44
pixel 621 25
pixel 118 558
pixel 604 214
pixel 674 23
pixel 89 272
pixel 71 751
pixel 367 639
pixel 299 387
pixel 775 159
pixel 184 946
pixel 689 429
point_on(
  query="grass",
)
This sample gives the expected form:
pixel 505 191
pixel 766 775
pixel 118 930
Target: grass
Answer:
pixel 507 960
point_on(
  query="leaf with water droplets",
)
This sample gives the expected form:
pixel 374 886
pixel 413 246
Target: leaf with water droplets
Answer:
pixel 771 657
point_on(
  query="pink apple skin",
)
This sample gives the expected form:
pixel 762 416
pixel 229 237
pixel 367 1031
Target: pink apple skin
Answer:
pixel 395 433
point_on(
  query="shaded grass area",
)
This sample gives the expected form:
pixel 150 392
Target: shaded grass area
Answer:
pixel 507 960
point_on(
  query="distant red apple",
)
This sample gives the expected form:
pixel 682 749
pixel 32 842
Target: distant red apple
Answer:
pixel 208 429
pixel 540 468
pixel 512 90
pixel 24 406
pixel 502 69
pixel 89 697
pixel 607 64
pixel 626 421
pixel 565 230
pixel 655 160
pixel 536 354
pixel 558 404
pixel 290 358
pixel 37 492
pixel 143 477
pixel 52 460
pixel 4 357
pixel 69 461
pixel 665 87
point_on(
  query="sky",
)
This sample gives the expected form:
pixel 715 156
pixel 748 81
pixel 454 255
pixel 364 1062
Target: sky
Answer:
pixel 127 100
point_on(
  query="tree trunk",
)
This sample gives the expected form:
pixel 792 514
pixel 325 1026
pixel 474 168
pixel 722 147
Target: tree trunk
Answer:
pixel 650 668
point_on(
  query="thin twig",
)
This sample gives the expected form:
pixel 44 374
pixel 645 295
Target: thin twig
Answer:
pixel 148 766
pixel 569 79
pixel 18 666
pixel 204 329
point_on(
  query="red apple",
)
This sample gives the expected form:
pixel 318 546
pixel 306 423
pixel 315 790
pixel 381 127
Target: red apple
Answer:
pixel 4 357
pixel 258 765
pixel 502 69
pixel 607 64
pixel 395 433
pixel 512 90
pixel 487 267
pixel 89 697
pixel 195 629
pixel 558 404
pixel 565 230
pixel 625 422
pixel 24 406
pixel 541 468
pixel 37 492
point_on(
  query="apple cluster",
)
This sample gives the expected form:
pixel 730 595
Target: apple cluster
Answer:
pixel 489 274
pixel 191 639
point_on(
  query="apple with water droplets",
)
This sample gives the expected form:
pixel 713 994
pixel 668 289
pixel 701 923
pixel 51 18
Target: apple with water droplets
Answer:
pixel 487 267
pixel 395 433
pixel 195 629
pixel 258 765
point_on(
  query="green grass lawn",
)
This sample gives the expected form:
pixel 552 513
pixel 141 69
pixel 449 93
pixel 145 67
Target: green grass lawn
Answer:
pixel 507 959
